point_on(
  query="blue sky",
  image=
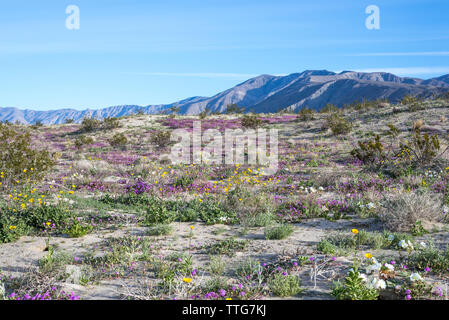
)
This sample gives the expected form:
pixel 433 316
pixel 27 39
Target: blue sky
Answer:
pixel 152 52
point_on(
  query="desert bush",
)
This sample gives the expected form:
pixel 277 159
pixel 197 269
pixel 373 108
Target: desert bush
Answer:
pixel 90 124
pixel 159 230
pixel 83 140
pixel 211 212
pixel 408 100
pixel 216 265
pixel 431 257
pixel 110 123
pixel 354 288
pixel 160 138
pixel 184 181
pixel 37 124
pixel 278 232
pixel 305 114
pixel 285 285
pixel 18 160
pixel 234 109
pixel 338 124
pixel 76 229
pixel 37 216
pixel 12 227
pixel 329 108
pixel 252 209
pixel 158 213
pixel 69 120
pixel 228 246
pixel 401 212
pixel 250 121
pixel 425 148
pixel 118 140
pixel 203 114
pixel 369 151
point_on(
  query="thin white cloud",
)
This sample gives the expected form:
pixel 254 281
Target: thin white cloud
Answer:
pixel 401 54
pixel 409 71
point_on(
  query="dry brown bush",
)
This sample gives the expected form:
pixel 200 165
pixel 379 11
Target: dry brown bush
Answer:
pixel 400 212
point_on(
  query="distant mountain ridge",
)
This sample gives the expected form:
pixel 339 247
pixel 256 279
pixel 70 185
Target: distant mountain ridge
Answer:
pixel 265 94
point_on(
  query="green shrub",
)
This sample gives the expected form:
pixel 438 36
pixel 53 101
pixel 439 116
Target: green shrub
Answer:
pixel 354 288
pixel 234 109
pixel 159 230
pixel 338 124
pixel 278 232
pixel 183 181
pixel 212 213
pixel 228 247
pixel 305 114
pixel 160 138
pixel 89 124
pixel 157 213
pixel 18 160
pixel 118 140
pixel 83 140
pixel 251 121
pixel 11 227
pixel 110 123
pixel 36 217
pixel 285 285
pixel 76 229
pixel 436 260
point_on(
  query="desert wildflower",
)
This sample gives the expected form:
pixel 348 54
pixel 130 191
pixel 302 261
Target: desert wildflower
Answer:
pixel 368 255
pixel 355 231
pixel 187 280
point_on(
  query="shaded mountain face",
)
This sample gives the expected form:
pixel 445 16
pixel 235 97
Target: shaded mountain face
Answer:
pixel 266 94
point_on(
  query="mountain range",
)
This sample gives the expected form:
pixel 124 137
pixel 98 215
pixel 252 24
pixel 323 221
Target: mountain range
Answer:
pixel 265 94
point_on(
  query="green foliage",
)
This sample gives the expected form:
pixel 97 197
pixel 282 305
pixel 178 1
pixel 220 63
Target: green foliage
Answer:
pixel 424 147
pixel 11 227
pixel 436 260
pixel 234 109
pixel 305 114
pixel 183 181
pixel 250 121
pixel 160 138
pixel 69 120
pixel 110 123
pixel 338 124
pixel 418 229
pixel 211 212
pixel 285 285
pixel 354 288
pixel 159 230
pixel 158 213
pixel 83 140
pixel 76 229
pixel 118 140
pixel 18 160
pixel 370 151
pixel 89 124
pixel 228 246
pixel 36 217
pixel 278 232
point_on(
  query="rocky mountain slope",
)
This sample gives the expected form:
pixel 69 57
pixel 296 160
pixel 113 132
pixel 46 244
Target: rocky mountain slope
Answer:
pixel 266 93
